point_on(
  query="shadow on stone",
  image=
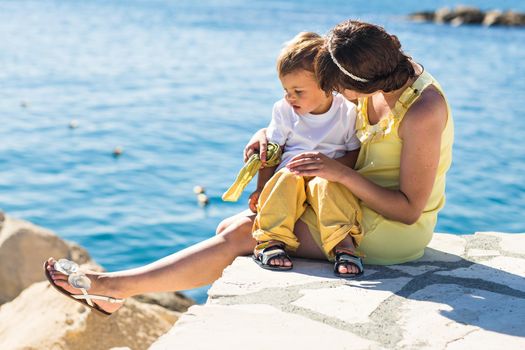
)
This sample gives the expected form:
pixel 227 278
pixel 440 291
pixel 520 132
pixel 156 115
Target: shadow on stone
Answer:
pixel 469 293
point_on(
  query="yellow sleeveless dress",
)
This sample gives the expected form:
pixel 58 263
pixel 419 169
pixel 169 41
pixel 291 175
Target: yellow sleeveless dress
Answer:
pixel 385 241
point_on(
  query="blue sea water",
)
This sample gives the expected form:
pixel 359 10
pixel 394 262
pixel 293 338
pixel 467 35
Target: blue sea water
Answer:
pixel 181 86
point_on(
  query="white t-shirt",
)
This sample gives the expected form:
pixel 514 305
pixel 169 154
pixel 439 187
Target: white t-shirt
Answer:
pixel 331 133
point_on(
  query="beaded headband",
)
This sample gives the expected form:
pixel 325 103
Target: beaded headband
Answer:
pixel 355 77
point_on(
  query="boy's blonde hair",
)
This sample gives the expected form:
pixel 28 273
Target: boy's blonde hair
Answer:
pixel 299 53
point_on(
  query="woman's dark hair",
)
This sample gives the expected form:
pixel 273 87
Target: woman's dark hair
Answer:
pixel 366 51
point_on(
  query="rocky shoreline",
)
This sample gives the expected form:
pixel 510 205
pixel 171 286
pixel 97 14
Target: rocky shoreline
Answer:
pixel 34 316
pixel 461 15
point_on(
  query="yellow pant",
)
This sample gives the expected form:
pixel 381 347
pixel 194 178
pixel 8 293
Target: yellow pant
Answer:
pixel 285 198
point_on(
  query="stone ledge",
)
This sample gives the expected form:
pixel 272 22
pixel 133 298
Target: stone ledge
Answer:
pixel 466 291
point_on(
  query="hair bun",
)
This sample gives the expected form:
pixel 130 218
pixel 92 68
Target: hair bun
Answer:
pixel 395 41
pixel 401 72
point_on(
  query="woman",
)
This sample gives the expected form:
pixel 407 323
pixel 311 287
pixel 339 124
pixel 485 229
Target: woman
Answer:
pixel 406 130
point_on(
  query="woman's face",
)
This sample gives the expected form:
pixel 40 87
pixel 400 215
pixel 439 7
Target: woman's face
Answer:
pixel 352 95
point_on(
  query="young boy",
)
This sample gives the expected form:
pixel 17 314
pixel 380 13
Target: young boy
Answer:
pixel 306 119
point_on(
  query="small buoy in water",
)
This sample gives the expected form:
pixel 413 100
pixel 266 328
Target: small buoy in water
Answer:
pixel 203 199
pixel 198 189
pixel 117 152
pixel 24 104
pixel 73 124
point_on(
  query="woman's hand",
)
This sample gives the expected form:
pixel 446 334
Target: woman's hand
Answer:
pixel 317 164
pixel 258 143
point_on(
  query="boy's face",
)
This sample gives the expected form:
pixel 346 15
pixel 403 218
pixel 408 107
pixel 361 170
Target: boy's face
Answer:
pixel 302 92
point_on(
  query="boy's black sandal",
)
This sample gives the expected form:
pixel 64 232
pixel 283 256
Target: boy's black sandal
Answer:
pixel 348 257
pixel 266 251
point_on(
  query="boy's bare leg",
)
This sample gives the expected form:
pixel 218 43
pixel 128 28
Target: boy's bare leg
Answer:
pixel 195 266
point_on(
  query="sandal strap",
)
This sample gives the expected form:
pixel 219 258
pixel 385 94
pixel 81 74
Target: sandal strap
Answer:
pixel 342 257
pixel 262 246
pixel 84 296
pixel 349 252
pixel 273 254
pixel 89 297
pixel 270 250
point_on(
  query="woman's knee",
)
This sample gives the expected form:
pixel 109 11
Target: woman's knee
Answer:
pixel 238 233
pixel 237 219
pixel 223 225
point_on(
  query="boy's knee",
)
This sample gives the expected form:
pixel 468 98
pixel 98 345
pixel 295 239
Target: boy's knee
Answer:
pixel 318 182
pixel 285 176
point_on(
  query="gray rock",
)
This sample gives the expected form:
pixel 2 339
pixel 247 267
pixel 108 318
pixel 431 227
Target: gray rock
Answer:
pixel 511 18
pixel 174 301
pixel 470 15
pixel 23 249
pixel 467 15
pixel 493 18
pixel 424 16
pixel 42 318
pixel 444 15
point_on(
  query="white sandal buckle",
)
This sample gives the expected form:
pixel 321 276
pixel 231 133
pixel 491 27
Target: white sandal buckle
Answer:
pixel 67 267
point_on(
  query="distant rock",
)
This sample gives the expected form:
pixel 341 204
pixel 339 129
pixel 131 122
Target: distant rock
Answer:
pixel 423 16
pixel 41 318
pixel 467 15
pixel 461 15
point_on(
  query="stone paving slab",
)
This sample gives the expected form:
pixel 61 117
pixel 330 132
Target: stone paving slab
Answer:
pixel 466 292
pixel 441 314
pixel 254 326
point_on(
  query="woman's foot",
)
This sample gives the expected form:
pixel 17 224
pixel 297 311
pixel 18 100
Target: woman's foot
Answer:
pixel 272 255
pixel 101 284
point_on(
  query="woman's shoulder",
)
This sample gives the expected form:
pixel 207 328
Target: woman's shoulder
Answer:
pixel 429 111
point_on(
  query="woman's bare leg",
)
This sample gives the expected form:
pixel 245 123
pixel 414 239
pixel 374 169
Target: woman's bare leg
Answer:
pixel 308 248
pixel 195 266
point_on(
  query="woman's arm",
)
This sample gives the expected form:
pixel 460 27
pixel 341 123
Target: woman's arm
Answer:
pixel 421 132
pixel 349 159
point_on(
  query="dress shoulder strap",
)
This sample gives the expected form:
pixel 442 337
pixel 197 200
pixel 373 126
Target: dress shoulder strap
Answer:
pixel 412 93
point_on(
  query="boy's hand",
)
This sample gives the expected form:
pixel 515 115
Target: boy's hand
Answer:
pixel 252 201
pixel 258 143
